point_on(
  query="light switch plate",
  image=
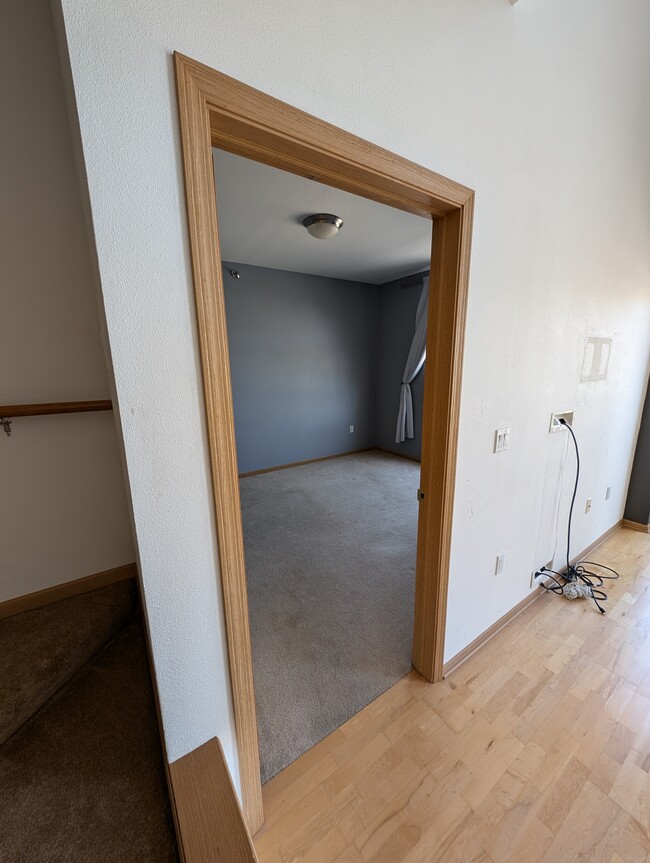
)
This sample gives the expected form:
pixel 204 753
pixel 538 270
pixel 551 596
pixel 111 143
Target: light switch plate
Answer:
pixel 501 440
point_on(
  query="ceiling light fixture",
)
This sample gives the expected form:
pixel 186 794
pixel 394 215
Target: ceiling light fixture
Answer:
pixel 323 225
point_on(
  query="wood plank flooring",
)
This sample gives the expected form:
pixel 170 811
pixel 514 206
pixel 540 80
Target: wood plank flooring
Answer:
pixel 535 750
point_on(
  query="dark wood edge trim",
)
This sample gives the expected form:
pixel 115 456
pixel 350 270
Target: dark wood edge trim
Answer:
pixel 635 525
pixel 307 461
pixel 491 631
pixel 210 821
pixel 57 592
pixel 49 408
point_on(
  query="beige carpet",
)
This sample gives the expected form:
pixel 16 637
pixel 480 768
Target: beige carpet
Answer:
pixel 330 558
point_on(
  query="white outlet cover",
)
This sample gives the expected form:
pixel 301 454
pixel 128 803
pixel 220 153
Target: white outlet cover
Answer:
pixel 501 559
pixel 555 426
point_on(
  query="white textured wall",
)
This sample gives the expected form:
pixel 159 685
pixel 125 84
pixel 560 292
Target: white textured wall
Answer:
pixel 63 507
pixel 541 108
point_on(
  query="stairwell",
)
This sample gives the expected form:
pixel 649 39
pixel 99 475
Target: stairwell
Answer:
pixel 81 768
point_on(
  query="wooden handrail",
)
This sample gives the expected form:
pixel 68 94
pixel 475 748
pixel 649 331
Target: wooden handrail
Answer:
pixel 46 408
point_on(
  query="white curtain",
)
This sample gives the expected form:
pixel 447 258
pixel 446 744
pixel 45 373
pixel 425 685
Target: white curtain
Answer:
pixel 414 363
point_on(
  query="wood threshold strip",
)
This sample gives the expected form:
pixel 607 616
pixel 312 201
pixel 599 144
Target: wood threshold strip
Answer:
pixel 57 592
pixel 209 819
pixel 48 408
pixel 498 625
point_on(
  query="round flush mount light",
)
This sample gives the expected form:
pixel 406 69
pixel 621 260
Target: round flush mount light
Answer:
pixel 323 225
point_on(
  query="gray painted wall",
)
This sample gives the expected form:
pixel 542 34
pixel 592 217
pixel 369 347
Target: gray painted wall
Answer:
pixel 397 307
pixel 303 363
pixel 637 507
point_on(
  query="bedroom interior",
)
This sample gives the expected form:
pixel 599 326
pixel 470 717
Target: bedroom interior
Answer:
pixel 319 333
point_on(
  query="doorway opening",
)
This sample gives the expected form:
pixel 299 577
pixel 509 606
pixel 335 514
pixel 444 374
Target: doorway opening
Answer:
pixel 322 335
pixel 217 111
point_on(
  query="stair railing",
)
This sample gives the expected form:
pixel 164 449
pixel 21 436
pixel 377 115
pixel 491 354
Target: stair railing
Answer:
pixel 9 412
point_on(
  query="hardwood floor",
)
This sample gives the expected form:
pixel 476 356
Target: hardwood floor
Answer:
pixel 535 750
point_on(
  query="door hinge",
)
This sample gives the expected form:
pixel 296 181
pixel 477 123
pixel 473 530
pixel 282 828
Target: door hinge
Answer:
pixel 420 494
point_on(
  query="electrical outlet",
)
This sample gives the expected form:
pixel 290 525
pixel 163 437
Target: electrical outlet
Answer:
pixel 588 505
pixel 556 425
pixel 501 440
pixel 608 492
pixel 351 429
pixel 501 559
pixel 538 573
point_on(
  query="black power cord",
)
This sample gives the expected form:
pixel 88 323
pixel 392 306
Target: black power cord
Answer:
pixel 577 580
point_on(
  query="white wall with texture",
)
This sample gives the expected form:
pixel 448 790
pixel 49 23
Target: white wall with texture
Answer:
pixel 541 108
pixel 63 506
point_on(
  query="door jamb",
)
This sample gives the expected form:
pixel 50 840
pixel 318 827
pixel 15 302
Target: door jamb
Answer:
pixel 216 110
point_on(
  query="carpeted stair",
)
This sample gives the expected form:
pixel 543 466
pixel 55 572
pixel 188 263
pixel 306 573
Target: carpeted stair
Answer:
pixel 81 768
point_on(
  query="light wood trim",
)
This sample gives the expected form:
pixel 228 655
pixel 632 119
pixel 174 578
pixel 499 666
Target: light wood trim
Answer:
pixel 491 631
pixel 57 592
pixel 213 340
pixel 215 110
pixel 210 822
pixel 246 121
pixel 307 461
pixel 442 382
pixel 635 525
pixel 47 408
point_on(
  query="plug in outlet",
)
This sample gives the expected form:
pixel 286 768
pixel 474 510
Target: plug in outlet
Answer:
pixel 588 505
pixel 501 559
pixel 556 425
pixel 538 573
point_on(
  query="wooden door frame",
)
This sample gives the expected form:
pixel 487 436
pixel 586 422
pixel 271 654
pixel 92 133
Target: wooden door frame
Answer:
pixel 218 111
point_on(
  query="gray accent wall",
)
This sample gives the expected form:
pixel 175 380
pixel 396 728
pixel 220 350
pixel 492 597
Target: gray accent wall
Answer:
pixel 397 308
pixel 637 507
pixel 303 355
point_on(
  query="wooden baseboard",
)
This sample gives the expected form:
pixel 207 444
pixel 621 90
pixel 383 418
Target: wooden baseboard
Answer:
pixel 210 822
pixel 635 525
pixel 398 454
pixel 597 542
pixel 299 463
pixel 491 631
pixel 64 591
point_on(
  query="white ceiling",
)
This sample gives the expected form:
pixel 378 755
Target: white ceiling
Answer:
pixel 260 222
